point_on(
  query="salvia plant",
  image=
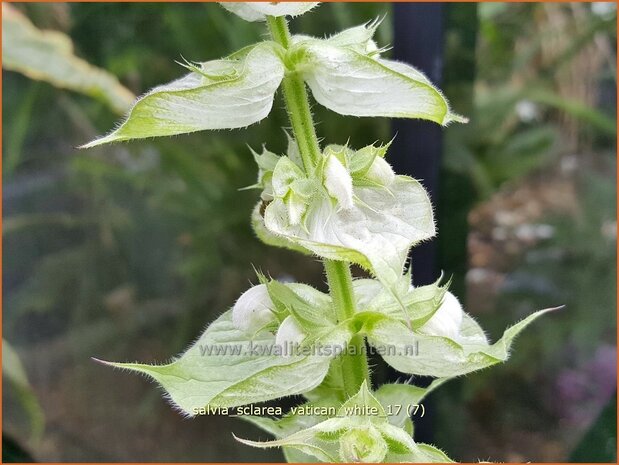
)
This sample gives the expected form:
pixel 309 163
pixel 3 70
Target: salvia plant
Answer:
pixel 341 204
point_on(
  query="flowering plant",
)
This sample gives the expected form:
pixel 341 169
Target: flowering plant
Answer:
pixel 337 203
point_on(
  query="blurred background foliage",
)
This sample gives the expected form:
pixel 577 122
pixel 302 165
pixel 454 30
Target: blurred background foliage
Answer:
pixel 127 251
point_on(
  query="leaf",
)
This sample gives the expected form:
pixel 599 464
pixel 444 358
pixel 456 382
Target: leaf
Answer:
pixel 48 56
pixel 424 453
pixel 332 388
pixel 258 11
pixel 353 83
pixel 375 233
pixel 396 397
pixel 311 308
pixel 441 356
pixel 233 92
pixel 420 303
pixel 266 162
pixel 358 37
pixel 356 408
pixel 319 441
pixel 296 420
pixel 359 430
pixel 233 373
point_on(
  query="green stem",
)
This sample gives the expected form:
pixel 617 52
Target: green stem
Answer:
pixel 297 102
pixel 353 363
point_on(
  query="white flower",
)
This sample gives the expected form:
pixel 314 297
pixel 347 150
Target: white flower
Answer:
pixel 289 335
pixel 338 182
pixel 380 172
pixel 253 310
pixel 447 319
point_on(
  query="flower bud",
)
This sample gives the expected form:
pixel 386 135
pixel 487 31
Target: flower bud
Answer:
pixel 447 319
pixel 338 182
pixel 380 172
pixel 253 309
pixel 363 445
pixel 289 335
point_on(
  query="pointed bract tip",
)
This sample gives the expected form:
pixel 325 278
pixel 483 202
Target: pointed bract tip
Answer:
pixel 455 118
pixel 99 141
pixel 554 309
pixel 101 362
pixel 247 442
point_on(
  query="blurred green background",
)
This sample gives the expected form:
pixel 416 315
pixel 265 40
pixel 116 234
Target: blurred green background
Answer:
pixel 126 252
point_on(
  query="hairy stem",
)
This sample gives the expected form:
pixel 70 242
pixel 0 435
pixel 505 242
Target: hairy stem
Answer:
pixel 354 364
pixel 297 102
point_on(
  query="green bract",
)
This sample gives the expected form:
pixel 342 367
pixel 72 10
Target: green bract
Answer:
pixel 238 90
pixel 441 355
pixel 359 432
pixel 344 206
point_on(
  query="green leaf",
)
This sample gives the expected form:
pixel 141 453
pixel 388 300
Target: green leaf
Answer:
pixel 332 388
pixel 320 441
pixel 395 398
pixel 234 373
pixel 258 11
pixel 48 56
pixel 358 407
pixel 420 303
pixel 266 162
pixel 311 308
pixel 441 356
pixel 359 432
pixel 233 92
pixel 300 417
pixel 358 38
pixel 353 83
pixel 424 453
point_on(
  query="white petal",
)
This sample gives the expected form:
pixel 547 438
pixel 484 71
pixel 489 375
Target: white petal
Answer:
pixel 289 335
pixel 296 208
pixel 253 310
pixel 338 182
pixel 380 172
pixel 447 319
